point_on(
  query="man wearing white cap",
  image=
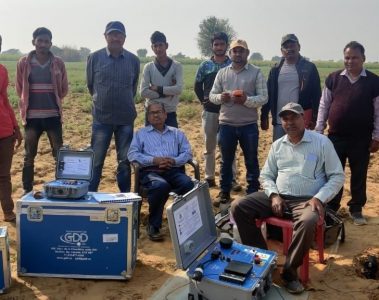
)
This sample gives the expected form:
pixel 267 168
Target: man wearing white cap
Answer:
pixel 240 88
pixel 301 174
pixel 112 78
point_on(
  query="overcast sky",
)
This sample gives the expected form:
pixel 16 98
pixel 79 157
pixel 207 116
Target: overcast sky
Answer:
pixel 322 26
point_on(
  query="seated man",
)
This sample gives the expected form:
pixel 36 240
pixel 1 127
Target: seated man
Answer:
pixel 162 151
pixel 301 174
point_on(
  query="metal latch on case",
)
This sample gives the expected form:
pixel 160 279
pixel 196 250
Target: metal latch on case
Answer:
pixel 35 213
pixel 112 216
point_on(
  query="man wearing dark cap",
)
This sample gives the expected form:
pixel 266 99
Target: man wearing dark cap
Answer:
pixel 162 79
pixel 41 84
pixel 112 78
pixel 293 79
pixel 240 88
pixel 301 174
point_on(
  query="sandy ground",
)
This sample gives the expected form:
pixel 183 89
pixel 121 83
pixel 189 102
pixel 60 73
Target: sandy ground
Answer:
pixel 337 279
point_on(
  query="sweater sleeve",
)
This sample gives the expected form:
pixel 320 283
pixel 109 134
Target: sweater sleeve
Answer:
pixel 146 82
pixel 217 89
pixel 261 93
pixel 177 80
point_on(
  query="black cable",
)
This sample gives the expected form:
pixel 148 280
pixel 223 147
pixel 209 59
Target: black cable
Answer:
pixel 280 294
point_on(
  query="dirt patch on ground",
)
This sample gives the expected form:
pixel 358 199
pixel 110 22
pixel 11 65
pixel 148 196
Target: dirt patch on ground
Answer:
pixel 337 279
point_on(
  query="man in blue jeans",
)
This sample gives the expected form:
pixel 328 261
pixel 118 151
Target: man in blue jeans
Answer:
pixel 205 77
pixel 112 77
pixel 240 88
pixel 41 84
pixel 162 151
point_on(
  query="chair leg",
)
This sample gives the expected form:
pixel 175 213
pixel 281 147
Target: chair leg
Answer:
pixel 287 239
pixel 320 242
pixel 304 269
pixel 140 203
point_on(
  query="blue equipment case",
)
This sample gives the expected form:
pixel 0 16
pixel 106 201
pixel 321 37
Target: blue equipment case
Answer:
pixel 199 251
pixel 76 239
pixel 5 271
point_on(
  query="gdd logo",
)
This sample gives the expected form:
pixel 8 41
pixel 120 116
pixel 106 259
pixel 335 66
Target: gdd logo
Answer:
pixel 74 238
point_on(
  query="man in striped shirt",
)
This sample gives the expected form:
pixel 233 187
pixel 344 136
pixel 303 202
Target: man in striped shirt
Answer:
pixel 162 151
pixel 301 174
pixel 41 84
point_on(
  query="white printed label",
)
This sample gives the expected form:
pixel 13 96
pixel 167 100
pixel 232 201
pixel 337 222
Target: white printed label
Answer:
pixel 110 238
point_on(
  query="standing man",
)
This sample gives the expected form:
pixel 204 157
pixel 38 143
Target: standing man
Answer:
pixel 205 77
pixel 301 174
pixel 41 84
pixel 162 80
pixel 240 88
pixel 9 134
pixel 293 79
pixel 350 104
pixel 112 78
pixel 162 151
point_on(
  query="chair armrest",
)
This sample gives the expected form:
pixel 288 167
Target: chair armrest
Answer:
pixel 196 168
pixel 136 167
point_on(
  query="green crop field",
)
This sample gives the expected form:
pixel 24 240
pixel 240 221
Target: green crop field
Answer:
pixel 78 89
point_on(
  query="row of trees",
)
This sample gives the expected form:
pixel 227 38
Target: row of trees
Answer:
pixel 67 53
pixel 207 28
pixel 71 54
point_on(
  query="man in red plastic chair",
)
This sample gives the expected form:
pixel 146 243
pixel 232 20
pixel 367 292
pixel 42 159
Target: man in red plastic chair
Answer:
pixel 301 174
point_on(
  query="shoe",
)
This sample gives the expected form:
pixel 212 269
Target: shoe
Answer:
pixel 153 233
pixel 293 286
pixel 211 182
pixel 9 217
pixel 358 218
pixel 236 187
pixel 222 198
pixel 291 282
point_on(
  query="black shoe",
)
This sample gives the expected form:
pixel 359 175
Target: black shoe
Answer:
pixel 153 233
pixel 222 198
pixel 211 182
pixel 10 217
pixel 292 285
pixel 236 187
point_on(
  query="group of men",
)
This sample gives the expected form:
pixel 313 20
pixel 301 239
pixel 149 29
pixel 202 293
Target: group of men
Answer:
pixel 303 171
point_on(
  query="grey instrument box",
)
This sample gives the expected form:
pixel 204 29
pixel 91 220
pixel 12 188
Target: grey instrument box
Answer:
pixel 73 173
pixel 194 237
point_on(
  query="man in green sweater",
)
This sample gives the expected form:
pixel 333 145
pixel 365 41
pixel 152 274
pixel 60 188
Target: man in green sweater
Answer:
pixel 162 80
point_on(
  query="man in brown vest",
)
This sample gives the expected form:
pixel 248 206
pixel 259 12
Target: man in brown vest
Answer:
pixel 350 104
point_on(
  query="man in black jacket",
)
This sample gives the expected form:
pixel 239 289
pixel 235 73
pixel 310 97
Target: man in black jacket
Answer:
pixel 293 79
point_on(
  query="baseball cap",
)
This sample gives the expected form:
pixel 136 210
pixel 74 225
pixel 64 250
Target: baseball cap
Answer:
pixel 115 26
pixel 293 107
pixel 289 38
pixel 238 43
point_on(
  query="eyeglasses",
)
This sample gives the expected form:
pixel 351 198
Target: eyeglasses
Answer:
pixel 155 112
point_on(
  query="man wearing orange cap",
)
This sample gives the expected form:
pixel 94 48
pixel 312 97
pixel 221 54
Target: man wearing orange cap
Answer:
pixel 240 88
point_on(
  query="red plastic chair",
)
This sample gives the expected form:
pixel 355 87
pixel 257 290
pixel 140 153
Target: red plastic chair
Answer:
pixel 287 229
